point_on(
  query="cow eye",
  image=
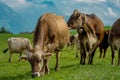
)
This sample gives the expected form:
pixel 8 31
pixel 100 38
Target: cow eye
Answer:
pixel 38 61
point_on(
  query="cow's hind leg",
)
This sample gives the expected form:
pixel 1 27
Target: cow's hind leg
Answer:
pixel 100 52
pixel 57 68
pixel 104 52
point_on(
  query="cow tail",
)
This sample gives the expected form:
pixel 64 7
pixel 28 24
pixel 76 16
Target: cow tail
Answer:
pixel 5 50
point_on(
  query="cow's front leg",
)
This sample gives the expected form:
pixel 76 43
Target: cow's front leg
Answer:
pixel 47 70
pixel 10 56
pixel 92 55
pixel 57 68
pixel 83 57
pixel 113 54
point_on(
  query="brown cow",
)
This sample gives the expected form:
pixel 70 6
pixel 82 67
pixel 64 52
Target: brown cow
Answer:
pixel 91 32
pixel 114 40
pixel 51 35
pixel 104 44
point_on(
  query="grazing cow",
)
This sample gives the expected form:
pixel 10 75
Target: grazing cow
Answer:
pixel 50 35
pixel 18 45
pixel 114 40
pixel 104 44
pixel 90 33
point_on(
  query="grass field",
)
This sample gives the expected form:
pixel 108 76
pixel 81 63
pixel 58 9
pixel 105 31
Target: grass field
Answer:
pixel 70 67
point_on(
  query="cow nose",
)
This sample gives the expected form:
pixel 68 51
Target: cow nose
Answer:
pixel 34 75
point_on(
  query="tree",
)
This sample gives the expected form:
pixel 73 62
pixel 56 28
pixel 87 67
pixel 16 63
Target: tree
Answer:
pixel 3 30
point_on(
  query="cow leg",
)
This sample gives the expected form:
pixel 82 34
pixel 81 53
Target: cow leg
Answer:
pixel 119 57
pixel 84 58
pixel 104 52
pixel 81 56
pixel 47 70
pixel 10 56
pixel 100 52
pixel 81 59
pixel 113 54
pixel 43 68
pixel 77 51
pixel 90 61
pixel 20 57
pixel 57 68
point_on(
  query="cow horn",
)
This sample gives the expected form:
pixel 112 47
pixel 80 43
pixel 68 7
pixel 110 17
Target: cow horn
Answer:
pixel 46 54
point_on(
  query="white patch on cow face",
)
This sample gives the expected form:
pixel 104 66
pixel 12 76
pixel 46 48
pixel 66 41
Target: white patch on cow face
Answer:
pixel 35 74
pixel 35 59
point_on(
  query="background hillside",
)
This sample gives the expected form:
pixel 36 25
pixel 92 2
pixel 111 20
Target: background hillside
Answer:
pixel 22 15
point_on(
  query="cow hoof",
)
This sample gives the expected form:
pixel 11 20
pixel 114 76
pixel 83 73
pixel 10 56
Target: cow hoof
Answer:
pixel 57 69
pixel 77 56
pixel 82 63
pixel 9 61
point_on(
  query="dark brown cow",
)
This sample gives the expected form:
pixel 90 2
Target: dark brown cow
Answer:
pixel 91 32
pixel 51 35
pixel 114 40
pixel 104 44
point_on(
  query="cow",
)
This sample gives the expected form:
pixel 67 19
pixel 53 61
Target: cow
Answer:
pixel 102 47
pixel 90 33
pixel 18 45
pixel 114 40
pixel 50 35
pixel 71 42
pixel 76 40
pixel 104 44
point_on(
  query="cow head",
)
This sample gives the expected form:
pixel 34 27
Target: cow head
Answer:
pixel 76 20
pixel 35 58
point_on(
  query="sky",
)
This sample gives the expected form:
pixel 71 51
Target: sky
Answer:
pixel 107 10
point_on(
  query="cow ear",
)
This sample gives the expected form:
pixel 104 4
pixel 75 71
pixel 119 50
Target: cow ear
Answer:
pixel 46 55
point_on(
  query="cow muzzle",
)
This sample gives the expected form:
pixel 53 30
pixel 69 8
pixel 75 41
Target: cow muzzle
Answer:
pixel 35 74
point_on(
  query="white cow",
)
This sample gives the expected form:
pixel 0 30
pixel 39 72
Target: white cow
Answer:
pixel 18 45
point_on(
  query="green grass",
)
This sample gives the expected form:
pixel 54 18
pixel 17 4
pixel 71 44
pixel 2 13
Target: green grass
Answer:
pixel 70 67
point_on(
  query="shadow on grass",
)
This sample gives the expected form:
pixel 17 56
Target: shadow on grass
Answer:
pixel 27 75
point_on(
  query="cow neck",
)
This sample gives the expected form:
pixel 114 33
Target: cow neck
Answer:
pixel 41 38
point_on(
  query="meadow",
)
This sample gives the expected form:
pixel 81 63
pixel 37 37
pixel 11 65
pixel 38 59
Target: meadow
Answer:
pixel 69 64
